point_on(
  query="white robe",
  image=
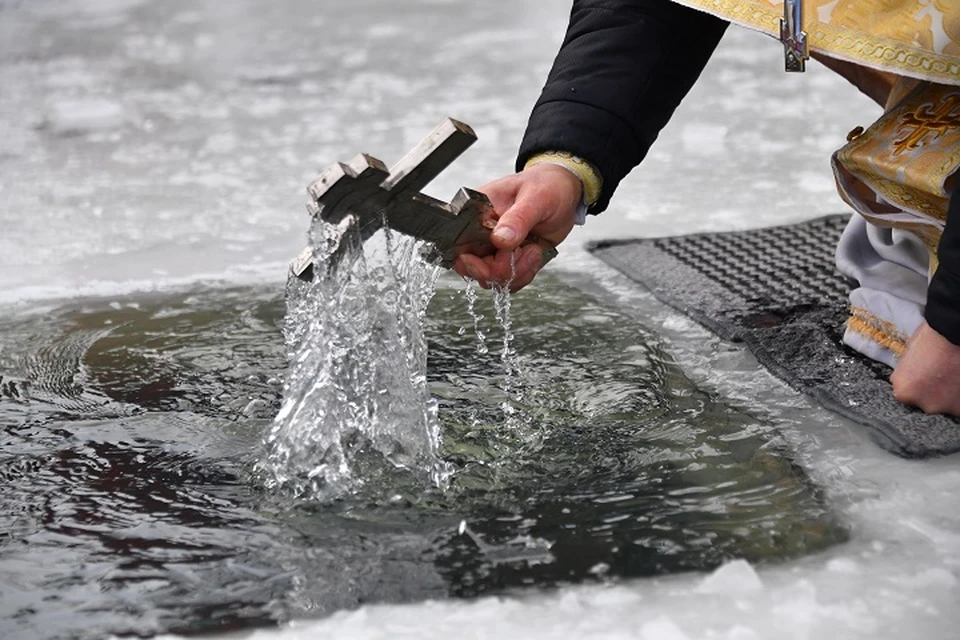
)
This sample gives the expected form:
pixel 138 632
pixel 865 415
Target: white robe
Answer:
pixel 892 267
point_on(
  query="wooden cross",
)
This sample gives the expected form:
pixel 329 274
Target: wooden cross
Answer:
pixel 926 120
pixel 364 194
pixel 794 38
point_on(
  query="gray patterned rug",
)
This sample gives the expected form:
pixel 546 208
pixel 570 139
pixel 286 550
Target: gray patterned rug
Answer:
pixel 776 291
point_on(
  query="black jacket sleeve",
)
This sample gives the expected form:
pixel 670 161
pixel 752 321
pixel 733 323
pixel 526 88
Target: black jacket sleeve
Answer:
pixel 623 68
pixel 943 295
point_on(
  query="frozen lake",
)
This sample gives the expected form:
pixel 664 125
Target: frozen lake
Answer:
pixel 153 159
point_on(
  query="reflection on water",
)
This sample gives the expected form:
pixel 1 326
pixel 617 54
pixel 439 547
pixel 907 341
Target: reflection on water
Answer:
pixel 131 427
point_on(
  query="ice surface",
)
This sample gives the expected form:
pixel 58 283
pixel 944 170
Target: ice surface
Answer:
pixel 200 125
pixel 736 576
pixel 81 116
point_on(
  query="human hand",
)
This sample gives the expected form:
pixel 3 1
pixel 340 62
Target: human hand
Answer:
pixel 928 374
pixel 542 200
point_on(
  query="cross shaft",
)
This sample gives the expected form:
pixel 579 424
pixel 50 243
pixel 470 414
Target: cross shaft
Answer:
pixel 794 38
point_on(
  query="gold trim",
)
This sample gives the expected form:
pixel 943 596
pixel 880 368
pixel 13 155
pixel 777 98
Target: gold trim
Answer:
pixel 876 330
pixel 900 56
pixel 590 178
pixel 911 180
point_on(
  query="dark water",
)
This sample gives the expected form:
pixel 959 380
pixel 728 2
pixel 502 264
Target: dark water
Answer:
pixel 131 428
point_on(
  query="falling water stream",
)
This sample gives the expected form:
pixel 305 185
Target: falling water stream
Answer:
pixel 356 394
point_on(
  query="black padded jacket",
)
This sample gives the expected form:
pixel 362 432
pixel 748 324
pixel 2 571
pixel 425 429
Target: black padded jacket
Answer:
pixel 611 90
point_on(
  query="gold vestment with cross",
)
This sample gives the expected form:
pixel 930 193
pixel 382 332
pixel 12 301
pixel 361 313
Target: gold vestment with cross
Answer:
pixel 905 54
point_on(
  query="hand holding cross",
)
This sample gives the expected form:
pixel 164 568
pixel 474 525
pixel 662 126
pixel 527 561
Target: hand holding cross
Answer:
pixel 372 196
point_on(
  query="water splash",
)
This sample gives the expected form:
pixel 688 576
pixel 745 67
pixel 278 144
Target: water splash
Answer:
pixel 356 405
pixel 470 293
pixel 510 384
pixel 508 354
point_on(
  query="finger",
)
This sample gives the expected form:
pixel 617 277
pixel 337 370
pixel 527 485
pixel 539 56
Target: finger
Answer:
pixel 516 268
pixel 502 192
pixel 528 265
pixel 476 269
pixel 532 259
pixel 505 265
pixel 502 267
pixel 515 224
pixel 460 267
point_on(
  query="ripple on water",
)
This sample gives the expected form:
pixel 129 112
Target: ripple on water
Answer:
pixel 127 502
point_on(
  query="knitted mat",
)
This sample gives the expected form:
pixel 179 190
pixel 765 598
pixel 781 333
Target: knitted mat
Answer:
pixel 776 290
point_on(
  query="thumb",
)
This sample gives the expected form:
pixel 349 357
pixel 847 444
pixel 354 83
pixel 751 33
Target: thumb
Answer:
pixel 515 225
